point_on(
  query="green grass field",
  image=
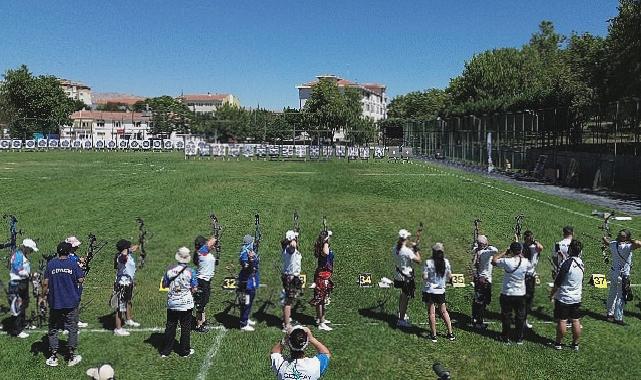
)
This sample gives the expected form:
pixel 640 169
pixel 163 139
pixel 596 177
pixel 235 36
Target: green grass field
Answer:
pixel 55 194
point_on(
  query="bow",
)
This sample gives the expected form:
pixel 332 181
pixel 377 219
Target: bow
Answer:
pixel 417 241
pixel 325 225
pixel 518 225
pixel 13 233
pixel 296 223
pixel 607 235
pixel 142 235
pixel 476 233
pixel 216 230
pixel 92 250
pixel 257 234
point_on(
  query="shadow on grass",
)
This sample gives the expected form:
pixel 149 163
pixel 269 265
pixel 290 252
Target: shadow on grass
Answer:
pixel 156 340
pixel 42 347
pixel 225 318
pixel 539 314
pixel 262 316
pixel 298 310
pixel 377 312
pixel 108 321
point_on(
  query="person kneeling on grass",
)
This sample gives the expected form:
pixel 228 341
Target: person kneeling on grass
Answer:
pixel 182 283
pixel 513 291
pixel 297 366
pixel 568 286
pixel 436 273
pixel 61 285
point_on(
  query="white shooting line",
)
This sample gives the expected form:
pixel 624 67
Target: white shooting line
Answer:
pixel 211 354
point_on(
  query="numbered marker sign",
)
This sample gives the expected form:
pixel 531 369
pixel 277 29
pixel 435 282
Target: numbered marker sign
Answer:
pixel 365 280
pixel 537 279
pixel 229 283
pixel 303 280
pixel 599 281
pixel 458 280
pixel 161 288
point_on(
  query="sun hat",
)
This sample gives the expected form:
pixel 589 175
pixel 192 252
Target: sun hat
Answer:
pixel 482 239
pixel 404 234
pixel 291 235
pixel 183 255
pixel 438 247
pixel 73 241
pixel 30 244
pixel 104 372
pixel 248 239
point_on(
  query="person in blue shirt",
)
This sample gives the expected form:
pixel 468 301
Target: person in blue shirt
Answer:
pixel 248 281
pixel 61 286
pixel 20 272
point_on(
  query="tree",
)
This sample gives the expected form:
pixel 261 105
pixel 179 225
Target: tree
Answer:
pixel 623 52
pixel 33 104
pixel 168 115
pixel 419 105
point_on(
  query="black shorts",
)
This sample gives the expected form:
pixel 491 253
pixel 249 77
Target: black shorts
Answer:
pixel 431 298
pixel 563 311
pixel 201 297
pixel 407 287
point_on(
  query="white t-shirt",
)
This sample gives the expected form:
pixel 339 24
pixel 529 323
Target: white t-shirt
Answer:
pixel 514 278
pixel 433 282
pixel 181 282
pixel 534 259
pixel 206 266
pixel 484 262
pixel 562 247
pixel 570 281
pixel 292 262
pixel 299 369
pixel 621 258
pixel 403 262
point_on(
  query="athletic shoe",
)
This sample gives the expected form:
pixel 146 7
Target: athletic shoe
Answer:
pixel 575 347
pixel 22 335
pixel 403 323
pixel 52 361
pixel 121 332
pixel 433 338
pixel 191 352
pixel 520 342
pixel 65 332
pixel 247 328
pixel 201 329
pixel 132 323
pixel 251 322
pixel 324 327
pixel 74 360
pixel 82 325
pixel 451 336
pixel 558 346
pixel 528 324
pixel 164 355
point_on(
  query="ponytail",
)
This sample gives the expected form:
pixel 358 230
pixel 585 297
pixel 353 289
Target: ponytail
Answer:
pixel 439 262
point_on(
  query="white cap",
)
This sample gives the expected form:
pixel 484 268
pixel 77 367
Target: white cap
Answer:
pixel 105 372
pixel 183 255
pixel 73 241
pixel 404 234
pixel 482 239
pixel 30 244
pixel 291 235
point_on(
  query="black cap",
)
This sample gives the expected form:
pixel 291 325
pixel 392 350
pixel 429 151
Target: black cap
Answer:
pixel 122 245
pixel 516 247
pixel 63 248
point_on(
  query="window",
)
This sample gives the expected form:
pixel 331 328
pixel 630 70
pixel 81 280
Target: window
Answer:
pixel 117 124
pixel 137 124
pixel 100 123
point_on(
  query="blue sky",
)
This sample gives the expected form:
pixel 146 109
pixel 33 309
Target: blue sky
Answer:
pixel 260 50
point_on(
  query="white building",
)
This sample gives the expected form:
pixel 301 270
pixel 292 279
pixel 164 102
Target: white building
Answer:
pixel 208 103
pixel 76 90
pixel 103 125
pixel 373 95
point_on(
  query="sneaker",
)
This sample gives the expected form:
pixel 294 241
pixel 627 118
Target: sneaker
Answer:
pixel 164 355
pixel 65 332
pixel 201 329
pixel 433 338
pixel 451 337
pixel 324 327
pixel 326 321
pixel 528 324
pixel 191 352
pixel 251 322
pixel 52 361
pixel 75 359
pixel 247 328
pixel 575 347
pixel 121 332
pixel 558 346
pixel 22 335
pixel 520 342
pixel 403 323
pixel 82 325
pixel 132 323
